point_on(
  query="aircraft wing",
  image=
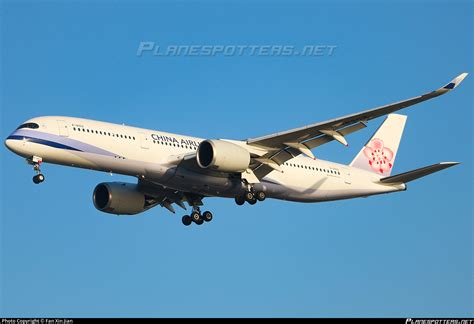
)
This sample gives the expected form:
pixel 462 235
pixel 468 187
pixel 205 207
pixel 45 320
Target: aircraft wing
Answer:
pixel 283 146
pixel 306 133
pixel 158 195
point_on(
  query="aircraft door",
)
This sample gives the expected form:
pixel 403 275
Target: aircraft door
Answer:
pixel 63 128
pixel 144 141
pixel 346 173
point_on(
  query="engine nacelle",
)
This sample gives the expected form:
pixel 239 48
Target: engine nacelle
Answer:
pixel 119 198
pixel 222 156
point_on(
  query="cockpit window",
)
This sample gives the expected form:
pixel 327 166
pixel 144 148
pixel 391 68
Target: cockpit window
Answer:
pixel 28 125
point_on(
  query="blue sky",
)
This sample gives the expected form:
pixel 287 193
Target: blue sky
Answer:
pixel 405 254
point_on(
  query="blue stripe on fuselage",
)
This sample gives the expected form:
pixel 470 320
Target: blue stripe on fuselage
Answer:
pixel 66 142
pixel 43 142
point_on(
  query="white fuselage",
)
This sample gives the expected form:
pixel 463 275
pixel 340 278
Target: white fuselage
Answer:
pixel 155 155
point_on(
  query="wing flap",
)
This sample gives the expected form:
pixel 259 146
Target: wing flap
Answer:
pixel 326 138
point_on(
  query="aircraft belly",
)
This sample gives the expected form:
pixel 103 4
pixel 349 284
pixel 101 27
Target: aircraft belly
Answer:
pixel 199 183
pixel 289 187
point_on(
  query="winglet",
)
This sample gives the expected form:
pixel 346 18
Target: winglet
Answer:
pixel 455 82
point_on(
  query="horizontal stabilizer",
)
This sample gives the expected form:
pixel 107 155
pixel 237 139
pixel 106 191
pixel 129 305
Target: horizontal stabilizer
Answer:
pixel 419 173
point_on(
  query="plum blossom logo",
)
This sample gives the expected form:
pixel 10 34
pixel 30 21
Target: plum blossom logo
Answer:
pixel 380 157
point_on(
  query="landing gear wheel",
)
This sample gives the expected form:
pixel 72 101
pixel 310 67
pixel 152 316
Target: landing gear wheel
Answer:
pixel 252 202
pixel 240 200
pixel 249 196
pixel 38 178
pixel 261 196
pixel 196 217
pixel 207 216
pixel 199 222
pixel 187 220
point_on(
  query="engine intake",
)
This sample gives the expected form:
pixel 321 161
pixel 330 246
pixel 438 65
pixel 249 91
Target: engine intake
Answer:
pixel 119 198
pixel 222 156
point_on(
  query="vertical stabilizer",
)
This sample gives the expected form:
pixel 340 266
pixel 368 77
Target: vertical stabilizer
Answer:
pixel 379 154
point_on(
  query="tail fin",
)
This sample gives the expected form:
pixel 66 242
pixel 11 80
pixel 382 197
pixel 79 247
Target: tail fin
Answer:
pixel 379 154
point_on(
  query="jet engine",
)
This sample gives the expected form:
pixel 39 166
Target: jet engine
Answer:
pixel 119 198
pixel 222 156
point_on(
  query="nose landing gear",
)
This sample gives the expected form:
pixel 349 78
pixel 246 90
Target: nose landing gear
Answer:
pixel 36 162
pixel 37 179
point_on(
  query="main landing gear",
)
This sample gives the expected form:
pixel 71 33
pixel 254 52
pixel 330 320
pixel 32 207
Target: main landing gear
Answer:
pixel 251 197
pixel 36 162
pixel 196 217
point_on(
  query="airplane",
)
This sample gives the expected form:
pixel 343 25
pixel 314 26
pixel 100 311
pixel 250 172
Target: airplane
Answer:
pixel 174 169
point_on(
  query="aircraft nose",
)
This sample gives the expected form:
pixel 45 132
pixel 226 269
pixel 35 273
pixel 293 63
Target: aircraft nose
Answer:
pixel 14 144
pixel 9 144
